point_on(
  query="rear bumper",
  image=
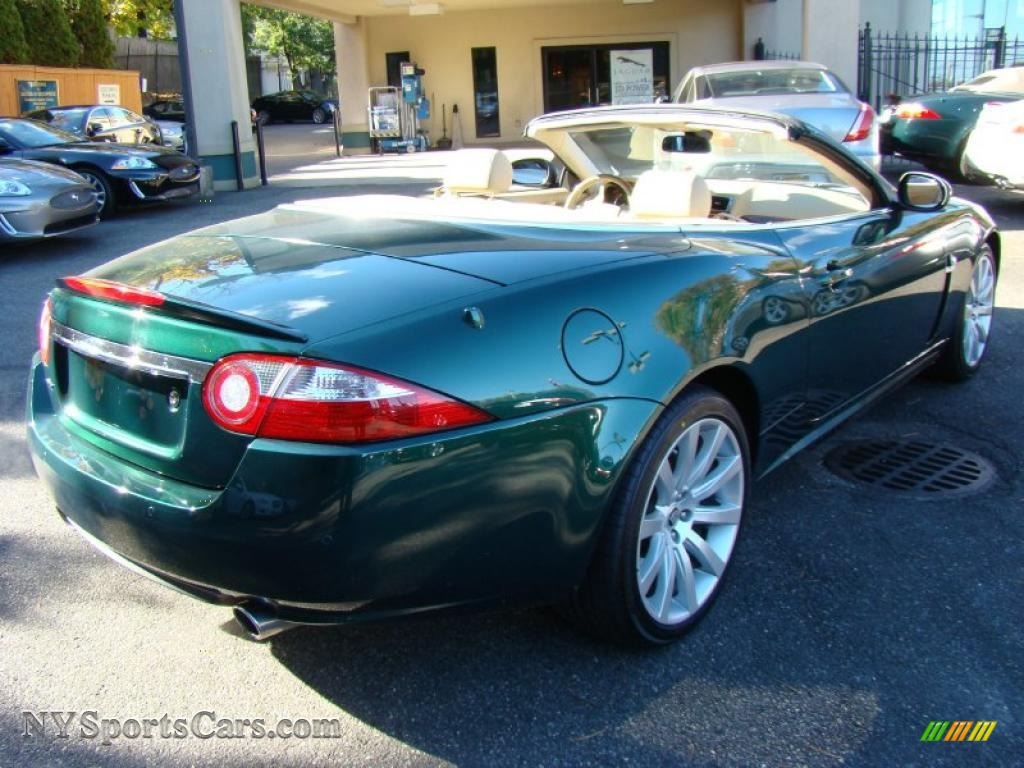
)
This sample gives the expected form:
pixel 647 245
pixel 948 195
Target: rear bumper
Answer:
pixel 933 140
pixel 507 510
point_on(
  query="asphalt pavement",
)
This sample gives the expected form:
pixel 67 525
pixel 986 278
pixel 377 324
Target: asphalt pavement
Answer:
pixel 849 622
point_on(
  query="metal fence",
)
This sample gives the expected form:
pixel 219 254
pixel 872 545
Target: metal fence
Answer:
pixel 898 64
pixel 762 53
pixel 781 56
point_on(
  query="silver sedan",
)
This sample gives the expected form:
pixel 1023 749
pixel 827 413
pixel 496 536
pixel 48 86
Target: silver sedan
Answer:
pixel 41 200
pixel 801 89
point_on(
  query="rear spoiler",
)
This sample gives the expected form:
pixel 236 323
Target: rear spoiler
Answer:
pixel 120 293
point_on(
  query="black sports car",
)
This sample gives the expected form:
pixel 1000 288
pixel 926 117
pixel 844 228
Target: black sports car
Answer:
pixel 101 123
pixel 119 173
pixel 293 105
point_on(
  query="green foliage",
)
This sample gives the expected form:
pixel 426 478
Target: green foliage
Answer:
pixel 130 17
pixel 304 42
pixel 90 27
pixel 13 48
pixel 48 33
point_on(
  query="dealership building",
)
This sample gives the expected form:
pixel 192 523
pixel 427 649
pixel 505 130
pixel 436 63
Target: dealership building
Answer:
pixel 501 62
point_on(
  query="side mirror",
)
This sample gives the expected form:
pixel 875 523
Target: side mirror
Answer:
pixel 532 172
pixel 93 129
pixel 920 191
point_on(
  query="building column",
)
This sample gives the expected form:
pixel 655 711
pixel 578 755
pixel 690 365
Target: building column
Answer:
pixel 353 82
pixel 210 41
pixel 830 36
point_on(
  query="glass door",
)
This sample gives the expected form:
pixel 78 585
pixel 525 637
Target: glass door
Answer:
pixel 581 75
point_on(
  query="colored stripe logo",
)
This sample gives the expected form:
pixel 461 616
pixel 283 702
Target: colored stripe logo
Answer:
pixel 958 730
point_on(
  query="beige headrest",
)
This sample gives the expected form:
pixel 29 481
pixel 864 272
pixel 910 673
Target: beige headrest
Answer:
pixel 478 171
pixel 670 195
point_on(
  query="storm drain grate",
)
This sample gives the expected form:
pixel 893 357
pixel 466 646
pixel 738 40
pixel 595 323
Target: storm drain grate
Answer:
pixel 915 467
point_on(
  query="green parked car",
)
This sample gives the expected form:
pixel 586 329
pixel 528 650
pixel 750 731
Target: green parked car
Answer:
pixel 933 129
pixel 374 406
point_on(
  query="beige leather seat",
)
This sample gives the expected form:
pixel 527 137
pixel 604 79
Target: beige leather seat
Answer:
pixel 477 171
pixel 662 194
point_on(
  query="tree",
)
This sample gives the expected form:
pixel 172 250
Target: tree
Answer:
pixel 90 27
pixel 13 48
pixel 305 43
pixel 141 18
pixel 48 33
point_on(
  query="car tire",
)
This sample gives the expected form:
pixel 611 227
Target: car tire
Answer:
pixel 966 348
pixel 102 187
pixel 664 522
pixel 263 117
pixel 319 116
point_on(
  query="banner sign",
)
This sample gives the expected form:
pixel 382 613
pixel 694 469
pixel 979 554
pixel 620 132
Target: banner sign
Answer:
pixel 632 77
pixel 108 94
pixel 36 94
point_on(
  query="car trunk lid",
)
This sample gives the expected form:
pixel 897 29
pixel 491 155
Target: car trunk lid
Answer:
pixel 832 113
pixel 129 378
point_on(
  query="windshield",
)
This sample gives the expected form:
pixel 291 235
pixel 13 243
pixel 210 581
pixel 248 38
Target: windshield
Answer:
pixel 755 82
pixel 65 119
pixel 31 134
pixel 713 153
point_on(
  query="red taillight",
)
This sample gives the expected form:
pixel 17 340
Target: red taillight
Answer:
pixel 862 125
pixel 44 332
pixel 289 398
pixel 111 291
pixel 912 110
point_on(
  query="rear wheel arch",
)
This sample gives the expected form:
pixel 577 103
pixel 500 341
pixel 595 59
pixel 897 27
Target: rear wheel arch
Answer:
pixel 736 386
pixel 994 242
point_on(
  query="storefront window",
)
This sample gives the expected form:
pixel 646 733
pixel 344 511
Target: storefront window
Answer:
pixel 485 92
pixel 585 75
pixel 394 61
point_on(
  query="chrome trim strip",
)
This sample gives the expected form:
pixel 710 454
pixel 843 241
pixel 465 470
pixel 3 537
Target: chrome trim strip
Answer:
pixel 135 190
pixel 156 363
pixel 5 226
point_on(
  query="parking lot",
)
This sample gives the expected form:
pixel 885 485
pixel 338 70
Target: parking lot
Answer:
pixel 851 619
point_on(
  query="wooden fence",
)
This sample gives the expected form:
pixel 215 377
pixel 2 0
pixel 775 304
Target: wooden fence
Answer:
pixel 74 86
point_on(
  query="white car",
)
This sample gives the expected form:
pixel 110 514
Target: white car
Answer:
pixel 995 148
pixel 801 89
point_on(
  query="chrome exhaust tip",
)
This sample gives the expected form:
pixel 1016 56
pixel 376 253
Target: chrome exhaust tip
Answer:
pixel 258 622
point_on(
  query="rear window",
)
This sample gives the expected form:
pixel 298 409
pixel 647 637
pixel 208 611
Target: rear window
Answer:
pixel 753 82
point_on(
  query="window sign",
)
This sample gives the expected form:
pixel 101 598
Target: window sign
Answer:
pixel 108 94
pixel 37 94
pixel 632 77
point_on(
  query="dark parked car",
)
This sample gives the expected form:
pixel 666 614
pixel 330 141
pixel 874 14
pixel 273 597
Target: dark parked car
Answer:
pixel 374 406
pixel 42 200
pixel 119 173
pixel 101 123
pixel 933 128
pixel 293 105
pixel 166 109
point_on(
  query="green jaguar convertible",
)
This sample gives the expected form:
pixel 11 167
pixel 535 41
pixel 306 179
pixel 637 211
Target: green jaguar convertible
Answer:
pixel 557 380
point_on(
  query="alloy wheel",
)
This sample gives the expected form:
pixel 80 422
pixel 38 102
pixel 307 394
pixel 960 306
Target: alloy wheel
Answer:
pixel 978 308
pixel 97 186
pixel 691 521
